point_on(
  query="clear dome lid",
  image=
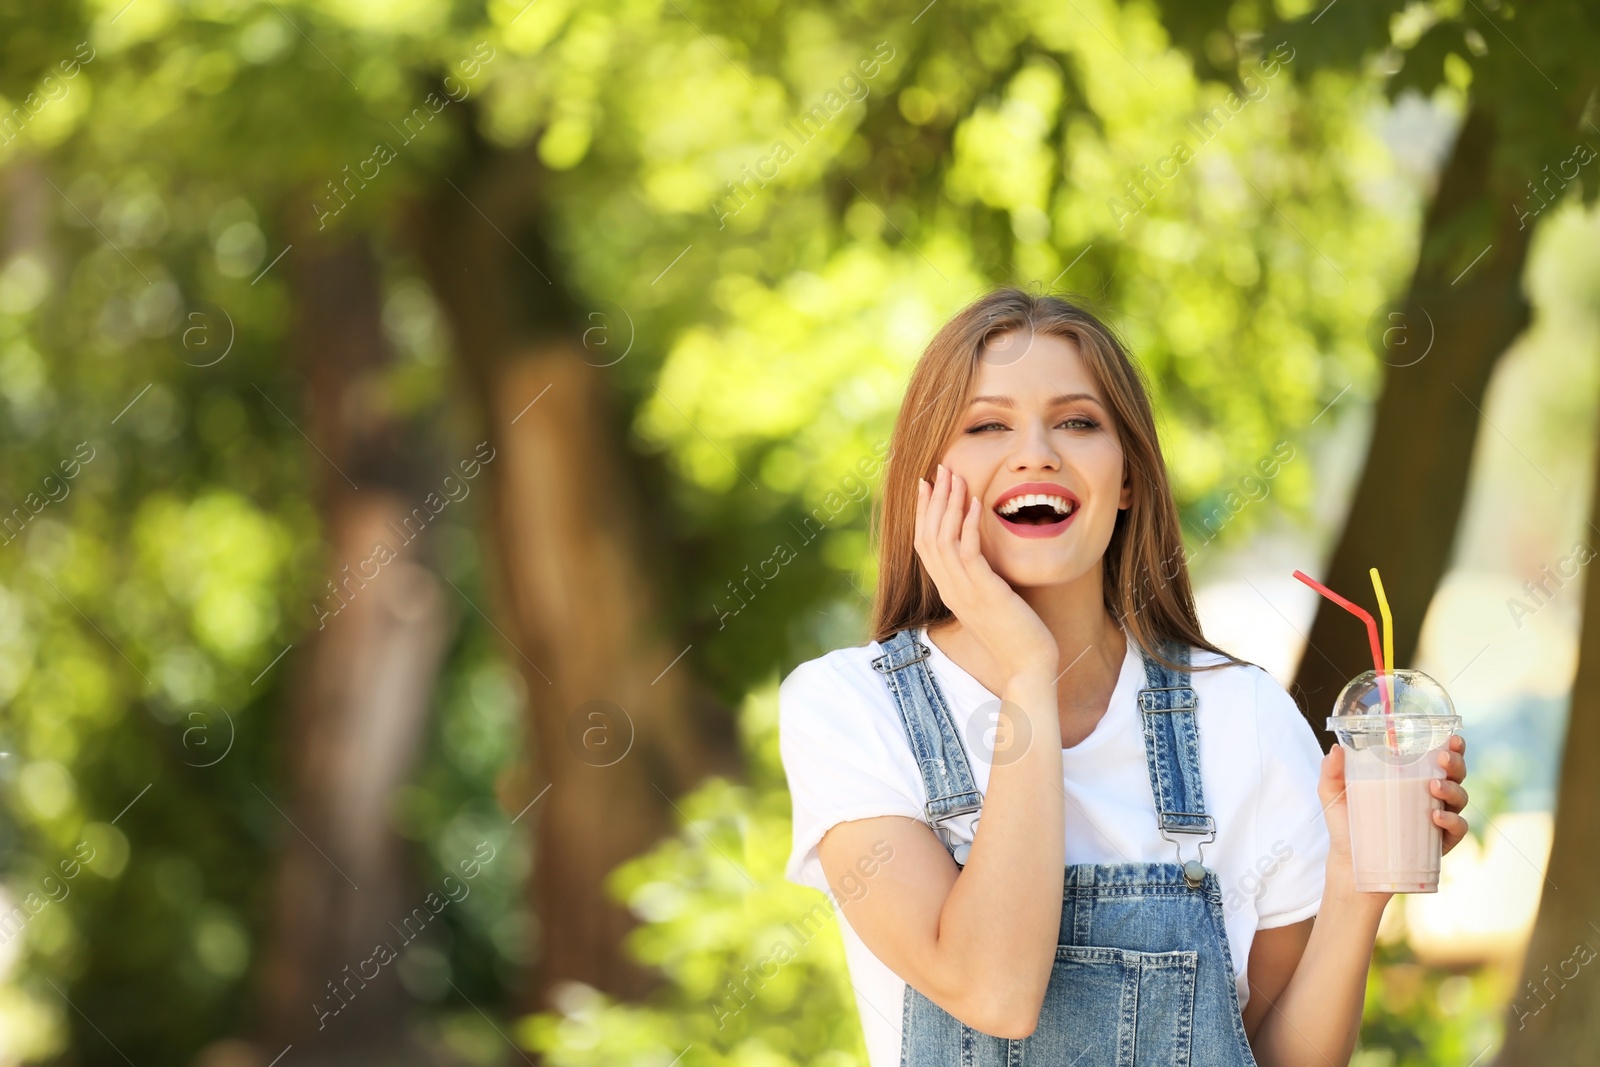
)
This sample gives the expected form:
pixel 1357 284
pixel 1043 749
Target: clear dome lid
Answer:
pixel 1421 717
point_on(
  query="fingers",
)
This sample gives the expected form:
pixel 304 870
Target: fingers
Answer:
pixel 1453 795
pixel 952 518
pixel 933 498
pixel 1330 782
pixel 1454 827
pixel 933 516
pixel 969 545
pixel 954 502
pixel 945 523
pixel 919 526
pixel 1453 758
pixel 961 544
pixel 940 533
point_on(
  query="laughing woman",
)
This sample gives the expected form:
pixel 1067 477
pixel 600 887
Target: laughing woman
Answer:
pixel 1170 883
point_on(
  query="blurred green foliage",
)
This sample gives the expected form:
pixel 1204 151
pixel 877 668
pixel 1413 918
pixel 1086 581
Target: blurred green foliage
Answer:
pixel 1417 1016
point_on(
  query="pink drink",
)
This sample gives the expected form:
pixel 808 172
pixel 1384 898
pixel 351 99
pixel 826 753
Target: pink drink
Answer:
pixel 1394 841
pixel 1390 759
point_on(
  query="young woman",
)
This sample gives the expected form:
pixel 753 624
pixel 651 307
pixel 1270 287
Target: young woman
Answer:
pixel 1162 874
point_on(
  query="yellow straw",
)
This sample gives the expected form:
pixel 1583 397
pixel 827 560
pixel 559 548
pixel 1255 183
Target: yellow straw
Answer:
pixel 1388 622
pixel 1388 632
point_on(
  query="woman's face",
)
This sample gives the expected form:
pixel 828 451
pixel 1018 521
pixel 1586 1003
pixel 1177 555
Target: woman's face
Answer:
pixel 1038 422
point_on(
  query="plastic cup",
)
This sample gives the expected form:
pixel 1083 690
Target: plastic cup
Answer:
pixel 1394 843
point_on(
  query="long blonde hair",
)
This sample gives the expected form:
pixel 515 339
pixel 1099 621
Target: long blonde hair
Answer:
pixel 1146 541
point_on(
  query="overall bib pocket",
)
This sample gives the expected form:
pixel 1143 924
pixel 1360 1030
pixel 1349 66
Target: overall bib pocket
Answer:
pixel 1151 1024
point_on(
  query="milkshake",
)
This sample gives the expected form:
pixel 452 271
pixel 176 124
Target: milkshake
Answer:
pixel 1390 759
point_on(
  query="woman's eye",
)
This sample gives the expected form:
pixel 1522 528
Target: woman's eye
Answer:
pixel 1081 422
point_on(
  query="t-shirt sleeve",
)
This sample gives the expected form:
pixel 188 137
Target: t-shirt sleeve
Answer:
pixel 843 758
pixel 1291 830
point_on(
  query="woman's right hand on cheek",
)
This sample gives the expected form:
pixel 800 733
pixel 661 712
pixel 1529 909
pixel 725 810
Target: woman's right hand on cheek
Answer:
pixel 946 540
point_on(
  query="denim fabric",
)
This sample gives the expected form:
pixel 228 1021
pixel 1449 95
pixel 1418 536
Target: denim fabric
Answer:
pixel 1143 976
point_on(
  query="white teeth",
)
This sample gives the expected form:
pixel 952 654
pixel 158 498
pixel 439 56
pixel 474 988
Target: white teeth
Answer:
pixel 1062 505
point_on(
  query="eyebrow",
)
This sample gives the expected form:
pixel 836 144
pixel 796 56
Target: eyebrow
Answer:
pixel 1065 398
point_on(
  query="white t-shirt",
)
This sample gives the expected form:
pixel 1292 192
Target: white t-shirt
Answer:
pixel 847 757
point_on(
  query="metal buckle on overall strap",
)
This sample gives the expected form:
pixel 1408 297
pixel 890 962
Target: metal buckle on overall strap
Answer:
pixel 1182 705
pixel 958 851
pixel 1194 871
pixel 881 663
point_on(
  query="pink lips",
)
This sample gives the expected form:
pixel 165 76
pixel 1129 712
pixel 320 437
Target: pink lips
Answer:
pixel 1051 529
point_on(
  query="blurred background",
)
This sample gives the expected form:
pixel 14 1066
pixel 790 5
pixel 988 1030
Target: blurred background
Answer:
pixel 430 430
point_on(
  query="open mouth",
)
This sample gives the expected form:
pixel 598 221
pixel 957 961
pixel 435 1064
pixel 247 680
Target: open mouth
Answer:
pixel 1037 509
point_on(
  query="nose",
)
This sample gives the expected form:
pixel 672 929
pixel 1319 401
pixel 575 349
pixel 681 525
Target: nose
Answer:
pixel 1034 449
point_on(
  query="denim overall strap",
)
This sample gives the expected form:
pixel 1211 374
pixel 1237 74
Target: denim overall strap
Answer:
pixel 1172 751
pixel 935 742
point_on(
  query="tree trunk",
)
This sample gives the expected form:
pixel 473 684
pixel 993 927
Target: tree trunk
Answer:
pixel 1408 504
pixel 1554 1016
pixel 359 691
pixel 614 729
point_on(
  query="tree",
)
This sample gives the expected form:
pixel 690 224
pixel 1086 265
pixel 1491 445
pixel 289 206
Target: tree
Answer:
pixel 362 687
pixel 615 733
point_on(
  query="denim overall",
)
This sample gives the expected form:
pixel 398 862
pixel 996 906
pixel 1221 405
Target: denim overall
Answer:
pixel 1143 976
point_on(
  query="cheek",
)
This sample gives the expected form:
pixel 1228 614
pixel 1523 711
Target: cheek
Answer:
pixel 975 469
pixel 1102 469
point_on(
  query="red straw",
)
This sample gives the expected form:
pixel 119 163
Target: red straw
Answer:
pixel 1372 636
